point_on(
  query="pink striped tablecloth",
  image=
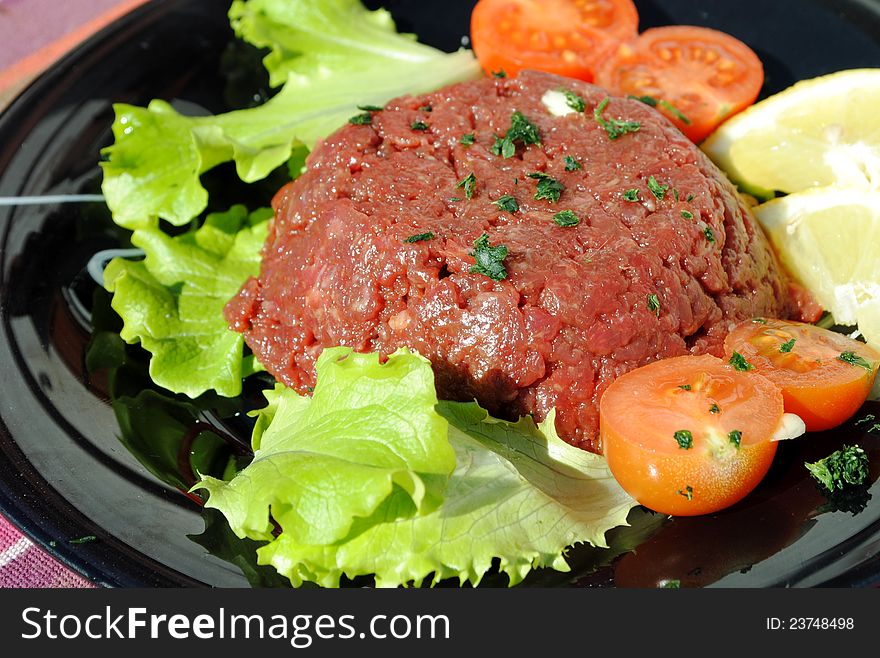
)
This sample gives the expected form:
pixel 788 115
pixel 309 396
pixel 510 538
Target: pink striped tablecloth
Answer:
pixel 33 35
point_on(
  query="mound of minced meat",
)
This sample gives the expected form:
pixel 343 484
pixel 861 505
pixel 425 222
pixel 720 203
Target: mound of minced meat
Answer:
pixel 532 245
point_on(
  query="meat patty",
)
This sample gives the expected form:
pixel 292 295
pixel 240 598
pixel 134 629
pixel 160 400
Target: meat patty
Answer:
pixel 374 247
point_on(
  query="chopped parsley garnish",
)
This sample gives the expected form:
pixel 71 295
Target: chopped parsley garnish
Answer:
pixel 854 360
pixel 690 197
pixel 615 128
pixel 653 102
pixel 759 321
pixel 675 194
pixel 566 219
pixel 847 466
pixel 738 361
pixel 687 214
pixel 709 233
pixel 489 261
pixel 467 140
pixel 787 345
pixel 735 437
pixel 658 190
pixel 370 108
pixel 714 409
pixel 418 125
pixel 361 119
pixel 500 73
pixel 869 418
pixel 685 387
pixel 571 164
pixel 687 493
pixel 521 131
pixel 685 439
pixel 631 195
pixel 548 188
pixel 426 108
pixel 454 199
pixel 574 101
pixel 420 237
pixel 507 203
pixel 82 540
pixel 671 584
pixel 654 304
pixel 468 184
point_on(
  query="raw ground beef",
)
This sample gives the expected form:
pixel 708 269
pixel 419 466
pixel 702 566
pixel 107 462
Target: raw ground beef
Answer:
pixel 577 307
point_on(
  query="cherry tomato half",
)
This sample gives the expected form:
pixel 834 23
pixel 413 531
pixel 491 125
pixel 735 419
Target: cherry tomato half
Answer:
pixel 699 76
pixel 566 37
pixel 824 376
pixel 689 435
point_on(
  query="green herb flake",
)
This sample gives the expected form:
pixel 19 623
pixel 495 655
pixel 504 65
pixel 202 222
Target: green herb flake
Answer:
pixel 571 164
pixel 687 214
pixel 467 140
pixel 547 188
pixel 521 131
pixel 489 260
pixel 847 466
pixel 370 108
pixel 507 203
pixel 361 119
pixel 690 197
pixel 785 348
pixel 687 493
pixel 738 361
pixel 426 108
pixel 83 540
pixel 419 125
pixel 654 304
pixel 759 320
pixel 574 101
pixel 735 437
pixel 674 111
pixel 647 100
pixel 854 360
pixel 468 184
pixel 658 190
pixel 671 584
pixel 566 219
pixel 500 74
pixel 675 194
pixel 867 420
pixel 615 128
pixel 709 233
pixel 685 439
pixel 685 387
pixel 714 409
pixel 420 237
pixel 631 195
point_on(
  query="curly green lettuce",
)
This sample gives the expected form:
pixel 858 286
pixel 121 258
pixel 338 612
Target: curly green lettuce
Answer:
pixel 518 495
pixel 171 302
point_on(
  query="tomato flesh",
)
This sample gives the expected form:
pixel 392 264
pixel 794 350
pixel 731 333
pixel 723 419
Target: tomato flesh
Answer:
pixel 707 76
pixel 730 416
pixel 804 361
pixel 566 37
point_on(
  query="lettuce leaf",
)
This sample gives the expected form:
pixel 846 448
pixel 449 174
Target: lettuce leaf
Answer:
pixel 314 39
pixel 345 58
pixel 171 302
pixel 368 434
pixel 518 497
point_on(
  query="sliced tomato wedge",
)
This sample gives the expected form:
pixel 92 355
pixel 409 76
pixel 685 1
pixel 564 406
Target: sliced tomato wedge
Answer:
pixel 566 37
pixel 698 77
pixel 824 376
pixel 689 435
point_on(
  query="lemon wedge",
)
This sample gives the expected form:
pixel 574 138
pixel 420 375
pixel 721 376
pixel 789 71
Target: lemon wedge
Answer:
pixel 818 132
pixel 829 238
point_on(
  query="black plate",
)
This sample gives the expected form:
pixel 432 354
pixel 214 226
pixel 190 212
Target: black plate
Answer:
pixel 64 473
